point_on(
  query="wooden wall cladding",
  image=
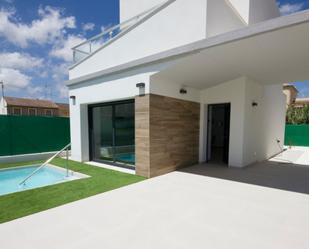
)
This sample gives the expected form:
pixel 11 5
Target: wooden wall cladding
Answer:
pixel 167 134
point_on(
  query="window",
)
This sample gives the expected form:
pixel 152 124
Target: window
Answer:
pixel 48 112
pixel 16 111
pixel 112 133
pixel 32 112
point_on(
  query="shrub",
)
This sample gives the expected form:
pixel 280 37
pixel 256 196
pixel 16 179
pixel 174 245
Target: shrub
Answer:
pixel 297 115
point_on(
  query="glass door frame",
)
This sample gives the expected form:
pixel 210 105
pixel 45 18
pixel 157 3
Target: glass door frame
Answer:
pixel 90 138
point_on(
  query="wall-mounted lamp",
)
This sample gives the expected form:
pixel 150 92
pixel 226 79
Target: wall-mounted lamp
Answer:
pixel 73 99
pixel 254 104
pixel 141 87
pixel 183 91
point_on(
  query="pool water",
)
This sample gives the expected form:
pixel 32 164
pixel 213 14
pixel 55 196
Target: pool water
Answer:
pixel 128 158
pixel 48 175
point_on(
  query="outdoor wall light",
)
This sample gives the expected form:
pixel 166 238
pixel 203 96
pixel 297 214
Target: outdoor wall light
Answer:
pixel 254 104
pixel 73 99
pixel 141 87
pixel 183 91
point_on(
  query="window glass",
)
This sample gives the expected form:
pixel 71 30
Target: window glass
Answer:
pixel 112 132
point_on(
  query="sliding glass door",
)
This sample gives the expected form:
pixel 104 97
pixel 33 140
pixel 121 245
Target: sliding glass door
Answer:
pixel 112 133
pixel 124 133
pixel 102 133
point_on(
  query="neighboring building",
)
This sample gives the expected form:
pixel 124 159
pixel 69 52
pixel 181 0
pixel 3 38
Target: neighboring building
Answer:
pixel 32 107
pixel 63 109
pixel 291 93
pixel 186 82
pixel 301 102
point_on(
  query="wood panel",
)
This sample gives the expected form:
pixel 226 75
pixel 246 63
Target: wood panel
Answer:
pixel 167 134
pixel 142 142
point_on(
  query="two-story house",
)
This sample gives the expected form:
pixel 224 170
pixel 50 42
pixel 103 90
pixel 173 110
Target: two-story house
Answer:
pixel 181 82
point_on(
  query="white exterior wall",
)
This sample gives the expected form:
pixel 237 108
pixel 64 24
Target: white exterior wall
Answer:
pixel 178 24
pixel 227 15
pixel 242 7
pixel 261 10
pixel 221 18
pixel 115 88
pixel 131 8
pixel 273 119
pixel 254 11
pixel 252 123
pixel 172 90
pixel 79 131
pixel 254 131
pixel 232 92
pixel 108 89
pixel 3 107
pixel 264 124
pixel 250 11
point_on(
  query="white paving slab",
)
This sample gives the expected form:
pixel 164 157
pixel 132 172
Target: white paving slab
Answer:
pixel 177 210
pixel 296 155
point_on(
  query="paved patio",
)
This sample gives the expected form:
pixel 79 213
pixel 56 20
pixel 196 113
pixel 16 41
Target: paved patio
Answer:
pixel 262 206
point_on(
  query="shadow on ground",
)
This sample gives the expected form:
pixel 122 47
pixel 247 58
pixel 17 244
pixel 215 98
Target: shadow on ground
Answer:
pixel 284 176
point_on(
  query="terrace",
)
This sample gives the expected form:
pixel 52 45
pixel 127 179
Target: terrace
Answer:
pixel 253 207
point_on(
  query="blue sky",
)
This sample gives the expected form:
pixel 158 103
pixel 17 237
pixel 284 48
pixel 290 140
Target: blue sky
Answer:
pixel 36 37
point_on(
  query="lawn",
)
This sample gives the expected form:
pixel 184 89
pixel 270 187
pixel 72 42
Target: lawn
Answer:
pixel 28 202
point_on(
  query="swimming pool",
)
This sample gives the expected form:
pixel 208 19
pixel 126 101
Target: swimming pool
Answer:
pixel 48 175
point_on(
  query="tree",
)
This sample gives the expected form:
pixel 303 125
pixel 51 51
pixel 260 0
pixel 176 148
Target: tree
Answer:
pixel 296 115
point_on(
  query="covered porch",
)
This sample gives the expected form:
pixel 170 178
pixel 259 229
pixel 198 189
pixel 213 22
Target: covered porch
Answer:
pixel 245 69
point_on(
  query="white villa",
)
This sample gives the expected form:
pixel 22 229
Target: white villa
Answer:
pixel 182 82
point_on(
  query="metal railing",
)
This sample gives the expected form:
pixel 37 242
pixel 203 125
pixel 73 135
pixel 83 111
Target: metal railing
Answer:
pixel 66 149
pixel 91 45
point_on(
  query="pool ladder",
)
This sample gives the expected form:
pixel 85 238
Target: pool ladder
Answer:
pixel 66 149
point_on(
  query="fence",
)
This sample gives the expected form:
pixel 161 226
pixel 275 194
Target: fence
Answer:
pixel 297 135
pixel 30 134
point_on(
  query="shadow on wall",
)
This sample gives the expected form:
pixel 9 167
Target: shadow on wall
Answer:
pixel 283 176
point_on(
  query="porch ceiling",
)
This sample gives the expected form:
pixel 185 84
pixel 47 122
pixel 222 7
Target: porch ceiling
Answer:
pixel 279 56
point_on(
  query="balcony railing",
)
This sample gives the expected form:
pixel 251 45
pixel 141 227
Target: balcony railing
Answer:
pixel 90 46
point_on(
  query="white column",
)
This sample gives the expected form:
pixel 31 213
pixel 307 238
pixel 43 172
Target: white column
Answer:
pixel 79 132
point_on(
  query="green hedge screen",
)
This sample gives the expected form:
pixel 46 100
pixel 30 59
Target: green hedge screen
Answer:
pixel 31 134
pixel 297 135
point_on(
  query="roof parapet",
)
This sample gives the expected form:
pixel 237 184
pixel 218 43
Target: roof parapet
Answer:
pixel 90 46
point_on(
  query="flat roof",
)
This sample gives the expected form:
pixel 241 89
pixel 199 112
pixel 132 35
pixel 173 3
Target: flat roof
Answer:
pixel 251 34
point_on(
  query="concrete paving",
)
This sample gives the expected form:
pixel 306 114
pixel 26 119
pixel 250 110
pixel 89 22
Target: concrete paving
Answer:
pixel 295 155
pixel 262 206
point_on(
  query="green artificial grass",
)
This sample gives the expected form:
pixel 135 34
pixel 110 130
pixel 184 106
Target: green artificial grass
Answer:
pixel 16 205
